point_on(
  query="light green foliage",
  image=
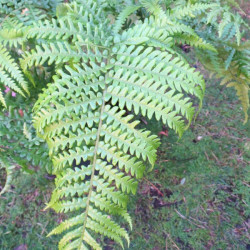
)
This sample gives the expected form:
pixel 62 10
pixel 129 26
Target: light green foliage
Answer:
pixel 11 76
pixel 107 75
pixel 86 114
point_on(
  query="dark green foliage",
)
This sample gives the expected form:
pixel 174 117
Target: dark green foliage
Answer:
pixel 18 136
pixel 19 145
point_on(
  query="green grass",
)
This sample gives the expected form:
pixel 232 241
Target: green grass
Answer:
pixel 22 219
pixel 195 198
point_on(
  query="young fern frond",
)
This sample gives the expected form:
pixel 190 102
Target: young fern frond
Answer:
pixel 87 115
pixel 124 15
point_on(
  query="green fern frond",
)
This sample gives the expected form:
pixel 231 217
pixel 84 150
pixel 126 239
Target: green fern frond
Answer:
pixel 191 10
pixel 194 41
pixel 229 59
pixel 11 38
pixel 8 64
pixel 148 33
pixel 225 20
pixel 86 115
pixel 229 23
pixel 61 29
pixel 124 15
pixel 109 141
pixel 176 28
pixel 11 75
pixel 12 33
pixel 212 15
pixel 155 8
pixel 53 53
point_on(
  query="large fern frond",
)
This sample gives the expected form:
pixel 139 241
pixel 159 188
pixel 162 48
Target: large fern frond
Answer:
pixel 87 115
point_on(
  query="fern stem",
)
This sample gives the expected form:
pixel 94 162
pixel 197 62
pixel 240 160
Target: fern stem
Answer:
pixel 93 166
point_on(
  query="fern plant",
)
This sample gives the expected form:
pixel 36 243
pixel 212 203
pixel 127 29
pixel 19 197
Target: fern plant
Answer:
pixel 104 78
pixel 19 146
pixel 111 61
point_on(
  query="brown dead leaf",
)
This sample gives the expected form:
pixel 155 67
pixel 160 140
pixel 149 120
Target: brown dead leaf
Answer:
pixel 21 247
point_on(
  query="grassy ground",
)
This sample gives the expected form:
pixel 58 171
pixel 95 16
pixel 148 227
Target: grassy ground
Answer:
pixel 199 192
pixel 197 197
